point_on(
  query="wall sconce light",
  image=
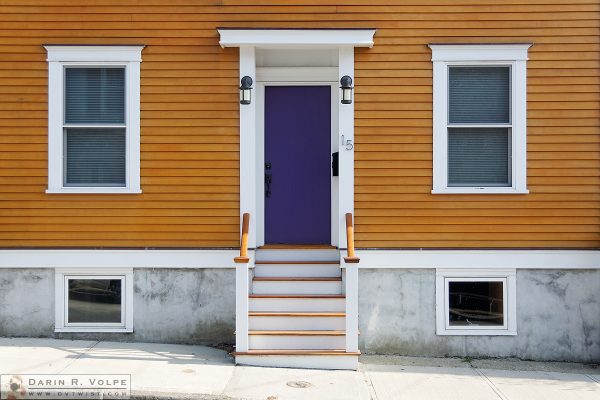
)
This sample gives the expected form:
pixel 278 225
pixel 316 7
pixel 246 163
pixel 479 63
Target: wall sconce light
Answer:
pixel 246 90
pixel 346 87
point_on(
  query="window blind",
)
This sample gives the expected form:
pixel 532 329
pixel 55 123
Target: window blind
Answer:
pixel 479 157
pixel 95 95
pixel 479 95
pixel 94 157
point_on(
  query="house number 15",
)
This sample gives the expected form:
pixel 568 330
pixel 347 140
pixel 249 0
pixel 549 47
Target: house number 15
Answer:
pixel 347 143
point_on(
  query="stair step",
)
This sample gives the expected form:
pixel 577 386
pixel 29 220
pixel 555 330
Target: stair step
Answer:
pixel 296 314
pixel 283 352
pixel 296 278
pixel 314 359
pixel 297 262
pixel 299 285
pixel 296 340
pixel 315 321
pixel 297 270
pixel 299 333
pixel 295 254
pixel 297 296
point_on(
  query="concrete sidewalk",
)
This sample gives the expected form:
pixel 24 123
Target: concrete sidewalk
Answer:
pixel 164 371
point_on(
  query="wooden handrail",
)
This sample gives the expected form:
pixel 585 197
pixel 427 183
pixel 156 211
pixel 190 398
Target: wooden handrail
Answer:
pixel 351 259
pixel 243 258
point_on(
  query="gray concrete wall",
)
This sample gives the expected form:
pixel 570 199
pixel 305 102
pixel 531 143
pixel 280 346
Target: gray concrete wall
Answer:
pixel 26 302
pixel 558 317
pixel 170 306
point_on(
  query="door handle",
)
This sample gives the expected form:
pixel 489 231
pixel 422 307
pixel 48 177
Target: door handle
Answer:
pixel 268 180
pixel 267 185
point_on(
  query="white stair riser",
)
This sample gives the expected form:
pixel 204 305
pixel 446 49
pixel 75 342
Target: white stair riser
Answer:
pixel 317 362
pixel 298 305
pixel 297 323
pixel 298 255
pixel 298 271
pixel 297 287
pixel 296 342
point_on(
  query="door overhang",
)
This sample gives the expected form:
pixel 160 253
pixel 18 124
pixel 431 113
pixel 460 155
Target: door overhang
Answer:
pixel 249 40
pixel 290 38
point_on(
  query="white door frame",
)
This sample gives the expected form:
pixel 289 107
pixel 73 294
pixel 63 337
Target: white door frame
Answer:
pixel 250 179
pixel 317 78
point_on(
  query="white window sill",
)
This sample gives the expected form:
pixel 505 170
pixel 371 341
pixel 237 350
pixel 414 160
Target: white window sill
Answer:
pixel 92 330
pixel 92 190
pixel 479 191
pixel 476 332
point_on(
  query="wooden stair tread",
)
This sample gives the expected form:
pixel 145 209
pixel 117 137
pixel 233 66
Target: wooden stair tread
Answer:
pixel 297 296
pixel 297 262
pixel 294 278
pixel 298 333
pixel 276 246
pixel 276 352
pixel 295 314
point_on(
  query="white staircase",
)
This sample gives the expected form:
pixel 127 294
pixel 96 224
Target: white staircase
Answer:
pixel 295 309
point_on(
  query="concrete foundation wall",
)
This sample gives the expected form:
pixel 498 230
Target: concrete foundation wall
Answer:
pixel 558 317
pixel 26 302
pixel 170 306
pixel 558 312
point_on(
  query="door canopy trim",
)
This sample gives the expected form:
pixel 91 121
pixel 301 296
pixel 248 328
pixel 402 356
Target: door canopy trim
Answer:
pixel 288 38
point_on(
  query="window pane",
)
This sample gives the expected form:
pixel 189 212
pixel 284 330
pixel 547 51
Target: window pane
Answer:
pixel 95 157
pixel 479 157
pixel 476 303
pixel 479 95
pixel 95 95
pixel 95 300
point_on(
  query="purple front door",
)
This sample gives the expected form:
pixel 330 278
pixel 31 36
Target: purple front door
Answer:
pixel 297 164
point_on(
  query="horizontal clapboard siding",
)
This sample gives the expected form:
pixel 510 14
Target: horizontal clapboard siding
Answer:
pixel 190 123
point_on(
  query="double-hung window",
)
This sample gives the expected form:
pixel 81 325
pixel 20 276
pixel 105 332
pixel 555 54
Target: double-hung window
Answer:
pixel 479 118
pixel 93 119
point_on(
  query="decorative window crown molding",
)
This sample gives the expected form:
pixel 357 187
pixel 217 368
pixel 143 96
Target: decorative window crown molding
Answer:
pixel 64 53
pixel 296 37
pixel 479 52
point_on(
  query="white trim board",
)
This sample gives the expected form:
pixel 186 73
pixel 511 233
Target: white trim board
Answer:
pixel 508 277
pixel 61 57
pixel 296 38
pixel 60 299
pixel 513 56
pixel 84 258
pixel 534 259
pixel 223 258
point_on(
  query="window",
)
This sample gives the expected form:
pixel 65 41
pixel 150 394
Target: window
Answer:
pixel 476 302
pixel 92 302
pixel 94 119
pixel 479 118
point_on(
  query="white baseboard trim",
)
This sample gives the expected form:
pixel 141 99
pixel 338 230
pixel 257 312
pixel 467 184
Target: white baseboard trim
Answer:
pixel 530 259
pixel 214 258
pixel 82 258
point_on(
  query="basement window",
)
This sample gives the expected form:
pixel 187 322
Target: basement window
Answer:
pixel 475 302
pixel 92 302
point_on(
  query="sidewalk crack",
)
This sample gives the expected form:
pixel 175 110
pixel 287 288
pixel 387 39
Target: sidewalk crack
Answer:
pixel 79 356
pixel 372 391
pixel 592 377
pixel 490 383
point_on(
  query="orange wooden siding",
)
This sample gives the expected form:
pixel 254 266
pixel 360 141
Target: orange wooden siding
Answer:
pixel 189 126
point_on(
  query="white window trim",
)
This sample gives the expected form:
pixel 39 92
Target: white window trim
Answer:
pixel 61 303
pixel 506 275
pixel 61 56
pixel 513 55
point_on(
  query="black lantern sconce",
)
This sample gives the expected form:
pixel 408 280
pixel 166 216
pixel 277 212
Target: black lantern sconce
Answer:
pixel 246 90
pixel 346 86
